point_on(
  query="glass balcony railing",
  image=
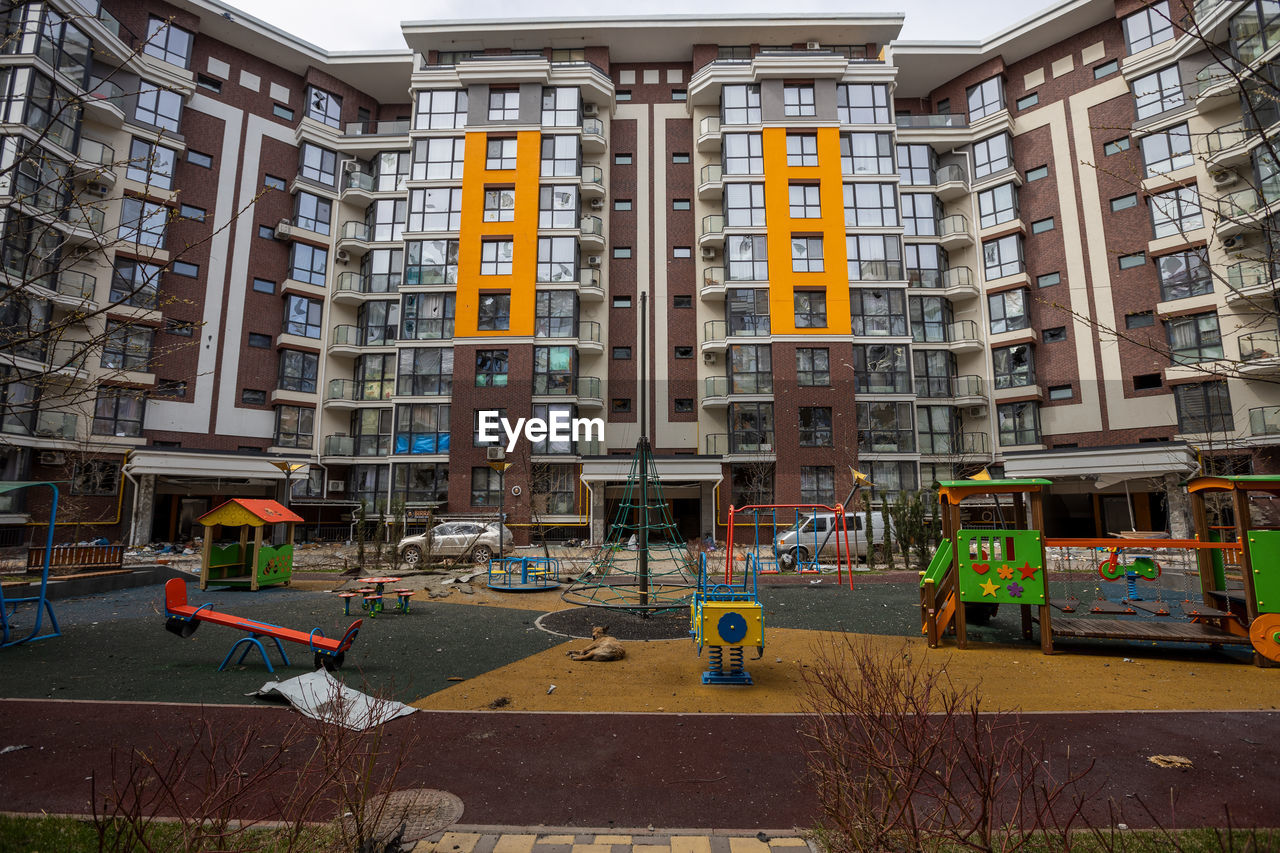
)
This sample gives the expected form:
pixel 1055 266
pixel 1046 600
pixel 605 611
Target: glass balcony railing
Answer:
pixel 589 330
pixel 1251 274
pixel 712 225
pixel 398 127
pixel 93 151
pixel 716 386
pixel 589 277
pixel 592 127
pixel 962 331
pixel 358 181
pixel 591 225
pixel 930 121
pixel 975 443
pixel 77 285
pixel 713 277
pixel 970 385
pixel 709 126
pixel 355 231
pixel 1227 136
pixel 105 91
pixel 356 392
pixel 56 425
pixel 109 21
pixel 951 172
pixel 886 440
pixel 1238 204
pixel 346 336
pixel 1259 345
pixel 712 173
pixel 90 218
pixel 714 330
pixel 953 226
pixel 589 387
pixel 592 175
pixel 1264 420
pixel 958 277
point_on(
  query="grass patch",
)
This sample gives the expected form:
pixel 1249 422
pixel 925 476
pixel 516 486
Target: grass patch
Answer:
pixel 74 835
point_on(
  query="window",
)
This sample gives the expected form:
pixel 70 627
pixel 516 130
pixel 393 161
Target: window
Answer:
pixel 751 428
pixel 118 412
pixel 625 204
pixel 750 369
pixel 1026 102
pixel 797 100
pixel 813 366
pixel 185 269
pixel 876 312
pixel 1254 30
pixel 874 258
pixel 324 107
pixel 1124 202
pixel 554 370
pixel 622 252
pixel 858 103
pixel 170 388
pixel 1055 335
pixel 435 209
pixel 151 164
pixel 679 94
pixel 1149 27
pixel 266 232
pixel 1167 150
pixel 1019 423
pixel 621 302
pixel 925 264
pixel 1115 146
pixel 1184 274
pixel 500 153
pixel 620 405
pixel 319 165
pixel 194 214
pixel 390 171
pixel 504 104
pixel 385 219
pixel 916 165
pixel 805 201
pixel 134 283
pixel 802 149
pixel 259 341
pixel 313 213
pixel 307 264
pixel 143 222
pixel 1137 259
pixel 1147 381
pixel 1176 212
pixel 866 154
pixel 1106 69
pixel 422 428
pixel 930 318
pixel 1155 93
pixel 682 352
pixel 997 205
pixel 748 258
pixel 743 154
pixel 811 309
pixel 261 285
pixel 806 254
pixel 885 428
pixel 280 111
pixel 560 106
pixel 426 316
pixel 167 42
pixel 500 205
pixel 679 158
pixel 1139 320
pixel 494 311
pixel 1036 173
pixel 936 427
pixel 181 328
pixel 1194 339
pixel 815 426
pixel 681 301
pixel 126 346
pixel 740 104
pixel 1205 407
pixel 486 487
pixel 985 98
pixel 1012 366
pixel 302 316
pixel 209 83
pixel 298 371
pixel 555 314
pixel 295 427
pixel 557 259
pixel 934 370
pixel 1008 311
pixel 438 159
pixel 491 368
pixel 748 311
pixel 559 157
pixel 881 369
pixel 622 159
pixel 682 252
pixel 1002 257
pixel 1048 279
pixel 268 181
pixel 1040 226
pixel 676 204
pixel 1061 392
pixel 865 205
pixel 621 353
pixel 431 262
pixel 991 155
pixel 744 205
pixel 425 371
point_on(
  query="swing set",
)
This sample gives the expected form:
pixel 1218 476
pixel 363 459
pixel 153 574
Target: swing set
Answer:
pixel 764 560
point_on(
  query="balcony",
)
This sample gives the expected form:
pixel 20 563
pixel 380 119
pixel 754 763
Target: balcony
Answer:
pixel 751 444
pixel 932 122
pixel 713 284
pixel 712 232
pixel 592 182
pixel 969 390
pixel 715 392
pixel 104 103
pixel 589 394
pixel 593 141
pixel 85 224
pixel 357 187
pixel 1228 146
pixel 351 340
pixel 1235 212
pixel 709 134
pixel 353 287
pixel 346 393
pixel 960 283
pixel 590 288
pixel 57 425
pixel 396 127
pixel 715 334
pixel 711 182
pixel 1248 280
pixel 353 238
pixel 1264 421
pixel 952 182
pixel 97 161
pixel 953 232
pixel 339 445
pixel 1215 84
pixel 589 337
pixel 886 441
pixel 591 236
pixel 1260 354
pixel 75 290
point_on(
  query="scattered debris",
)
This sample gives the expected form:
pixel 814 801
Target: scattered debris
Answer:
pixel 1178 762
pixel 500 702
pixel 15 748
pixel 322 697
pixel 455 678
pixel 551 689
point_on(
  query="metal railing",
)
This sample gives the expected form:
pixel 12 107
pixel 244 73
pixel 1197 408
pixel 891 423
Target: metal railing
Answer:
pixel 396 127
pixel 1264 420
pixel 1258 345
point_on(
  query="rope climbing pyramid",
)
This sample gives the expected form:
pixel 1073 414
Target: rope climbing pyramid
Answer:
pixel 644 565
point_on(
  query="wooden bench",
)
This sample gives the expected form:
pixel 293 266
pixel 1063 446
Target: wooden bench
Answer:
pixel 67 559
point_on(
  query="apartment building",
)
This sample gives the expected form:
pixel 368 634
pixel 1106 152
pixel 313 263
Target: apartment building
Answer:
pixel 794 244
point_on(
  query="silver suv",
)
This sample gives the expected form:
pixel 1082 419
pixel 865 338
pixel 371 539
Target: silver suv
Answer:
pixel 455 539
pixel 815 530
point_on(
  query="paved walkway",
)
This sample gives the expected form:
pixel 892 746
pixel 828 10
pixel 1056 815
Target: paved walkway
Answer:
pixel 490 839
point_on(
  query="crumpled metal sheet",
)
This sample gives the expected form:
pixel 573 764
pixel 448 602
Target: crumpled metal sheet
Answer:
pixel 322 697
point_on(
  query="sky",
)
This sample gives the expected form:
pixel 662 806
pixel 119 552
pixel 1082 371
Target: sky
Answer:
pixel 375 24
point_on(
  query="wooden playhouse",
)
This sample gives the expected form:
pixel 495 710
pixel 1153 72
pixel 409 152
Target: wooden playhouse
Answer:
pixel 247 564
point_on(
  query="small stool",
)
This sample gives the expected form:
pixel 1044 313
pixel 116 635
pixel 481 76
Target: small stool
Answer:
pixel 373 603
pixel 405 595
pixel 365 591
pixel 346 601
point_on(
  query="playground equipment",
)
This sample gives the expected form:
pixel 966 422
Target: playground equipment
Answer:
pixel 769 562
pixel 41 601
pixel 727 615
pixel 183 619
pixel 247 565
pixel 1008 565
pixel 524 574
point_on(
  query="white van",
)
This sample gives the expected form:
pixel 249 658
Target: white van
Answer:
pixel 796 544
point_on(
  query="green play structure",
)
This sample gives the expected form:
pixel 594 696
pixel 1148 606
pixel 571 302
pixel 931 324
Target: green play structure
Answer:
pixel 247 564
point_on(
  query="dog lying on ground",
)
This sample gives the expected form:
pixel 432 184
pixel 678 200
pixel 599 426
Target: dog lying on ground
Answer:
pixel 602 648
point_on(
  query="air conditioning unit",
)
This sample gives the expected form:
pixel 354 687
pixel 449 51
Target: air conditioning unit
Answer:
pixel 589 110
pixel 495 454
pixel 593 260
pixel 977 411
pixel 283 230
pixel 597 204
pixel 96 189
pixel 812 45
pixel 1225 178
pixel 52 457
pixel 342 256
pixel 708 358
pixel 336 486
pixel 1233 245
pixel 351 166
pixel 708 253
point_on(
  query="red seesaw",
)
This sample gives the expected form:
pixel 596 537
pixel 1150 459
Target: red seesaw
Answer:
pixel 183 619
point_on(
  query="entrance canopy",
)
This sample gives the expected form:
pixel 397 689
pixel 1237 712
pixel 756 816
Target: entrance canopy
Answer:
pixel 224 466
pixel 1103 467
pixel 614 469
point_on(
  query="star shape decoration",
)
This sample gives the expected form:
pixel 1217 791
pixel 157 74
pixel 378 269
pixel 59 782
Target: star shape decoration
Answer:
pixel 1028 571
pixel 1005 572
pixel 989 587
pixel 1015 590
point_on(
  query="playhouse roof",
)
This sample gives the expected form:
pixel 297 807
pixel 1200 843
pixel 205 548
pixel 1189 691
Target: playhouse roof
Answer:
pixel 254 512
pixel 1242 482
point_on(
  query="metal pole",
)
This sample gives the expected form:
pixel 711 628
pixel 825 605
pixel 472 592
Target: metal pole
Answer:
pixel 502 515
pixel 643 538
